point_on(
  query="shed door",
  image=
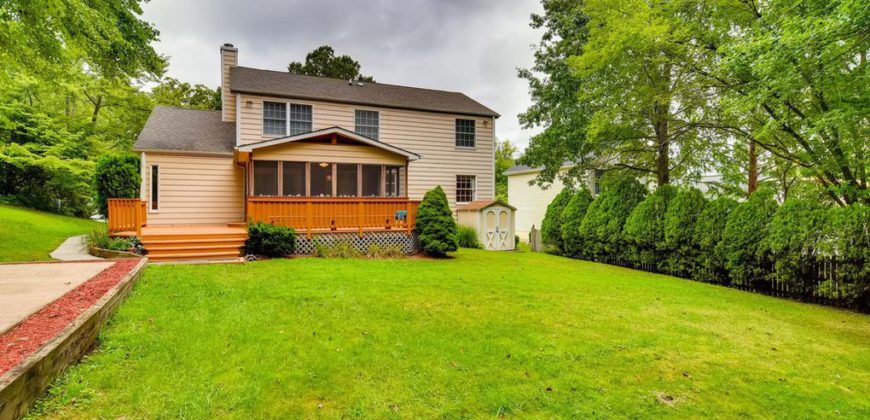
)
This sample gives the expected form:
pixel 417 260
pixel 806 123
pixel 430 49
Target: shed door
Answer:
pixel 496 228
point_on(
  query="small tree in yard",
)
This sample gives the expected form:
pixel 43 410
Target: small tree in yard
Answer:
pixel 572 216
pixel 436 227
pixel 710 262
pixel 551 226
pixel 602 225
pixel 644 229
pixel 680 220
pixel 117 176
pixel 747 226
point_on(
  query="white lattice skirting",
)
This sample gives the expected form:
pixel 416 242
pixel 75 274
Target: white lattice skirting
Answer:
pixel 409 243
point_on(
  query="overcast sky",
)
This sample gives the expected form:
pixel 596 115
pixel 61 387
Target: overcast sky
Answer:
pixel 471 46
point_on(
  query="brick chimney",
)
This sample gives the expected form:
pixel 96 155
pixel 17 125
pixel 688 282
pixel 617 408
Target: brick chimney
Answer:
pixel 229 58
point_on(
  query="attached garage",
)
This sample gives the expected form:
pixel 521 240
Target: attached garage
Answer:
pixel 493 220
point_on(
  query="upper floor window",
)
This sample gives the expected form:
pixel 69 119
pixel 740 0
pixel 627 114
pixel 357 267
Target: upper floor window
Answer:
pixel 275 118
pixel 300 119
pixel 465 133
pixel 465 186
pixel 367 123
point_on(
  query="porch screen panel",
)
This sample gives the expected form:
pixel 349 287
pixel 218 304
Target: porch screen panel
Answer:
pixel 265 178
pixel 395 181
pixel 371 180
pixel 347 179
pixel 294 179
pixel 321 179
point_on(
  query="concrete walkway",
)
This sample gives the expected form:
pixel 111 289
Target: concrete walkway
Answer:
pixel 26 288
pixel 73 249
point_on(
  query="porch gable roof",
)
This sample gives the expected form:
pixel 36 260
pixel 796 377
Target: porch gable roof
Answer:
pixel 250 147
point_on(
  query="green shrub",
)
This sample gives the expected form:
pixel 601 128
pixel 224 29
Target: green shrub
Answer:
pixel 62 186
pixel 572 216
pixel 385 251
pixel 466 237
pixel 680 219
pixel 644 229
pixel 270 240
pixel 846 238
pixel 99 238
pixel 551 226
pixel 436 227
pixel 792 239
pixel 117 176
pixel 341 249
pixel 710 262
pixel 745 256
pixel 604 220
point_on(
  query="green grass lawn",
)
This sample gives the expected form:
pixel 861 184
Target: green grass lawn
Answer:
pixel 29 235
pixel 485 334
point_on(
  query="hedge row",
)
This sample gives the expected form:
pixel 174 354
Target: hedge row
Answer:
pixel 800 249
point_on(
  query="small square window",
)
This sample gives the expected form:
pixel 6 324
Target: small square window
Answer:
pixel 465 185
pixel 367 123
pixel 465 133
pixel 275 118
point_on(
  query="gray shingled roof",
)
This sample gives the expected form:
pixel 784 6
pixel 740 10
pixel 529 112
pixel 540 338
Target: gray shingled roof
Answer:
pixel 191 130
pixel 518 169
pixel 282 83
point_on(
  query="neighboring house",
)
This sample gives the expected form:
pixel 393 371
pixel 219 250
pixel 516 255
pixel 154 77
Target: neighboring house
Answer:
pixel 531 201
pixel 316 154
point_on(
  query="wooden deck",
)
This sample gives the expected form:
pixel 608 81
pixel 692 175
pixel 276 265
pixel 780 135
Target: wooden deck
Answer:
pixel 192 242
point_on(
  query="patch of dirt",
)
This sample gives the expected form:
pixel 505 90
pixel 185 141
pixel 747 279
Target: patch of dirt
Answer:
pixel 29 335
pixel 666 399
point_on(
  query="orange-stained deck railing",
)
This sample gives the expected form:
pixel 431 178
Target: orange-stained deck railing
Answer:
pixel 316 214
pixel 126 214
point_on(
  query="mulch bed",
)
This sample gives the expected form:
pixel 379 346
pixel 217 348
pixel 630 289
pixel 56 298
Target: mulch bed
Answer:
pixel 37 329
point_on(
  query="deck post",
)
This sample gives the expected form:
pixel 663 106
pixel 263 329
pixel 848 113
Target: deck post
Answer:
pixel 359 208
pixel 308 218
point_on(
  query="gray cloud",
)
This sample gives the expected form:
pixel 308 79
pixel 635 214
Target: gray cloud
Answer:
pixel 468 46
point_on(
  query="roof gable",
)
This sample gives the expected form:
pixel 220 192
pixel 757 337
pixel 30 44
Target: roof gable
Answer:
pixel 285 84
pixel 326 132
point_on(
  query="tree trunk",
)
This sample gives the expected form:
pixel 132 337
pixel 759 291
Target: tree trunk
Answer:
pixel 663 170
pixel 97 104
pixel 752 182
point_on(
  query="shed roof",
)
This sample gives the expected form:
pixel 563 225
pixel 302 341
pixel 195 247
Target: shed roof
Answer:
pixel 186 130
pixel 482 204
pixel 285 84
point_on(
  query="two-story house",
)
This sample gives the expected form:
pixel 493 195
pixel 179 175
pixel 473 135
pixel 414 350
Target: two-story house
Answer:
pixel 317 154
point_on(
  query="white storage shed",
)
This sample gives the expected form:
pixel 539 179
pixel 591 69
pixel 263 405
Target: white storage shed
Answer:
pixel 494 221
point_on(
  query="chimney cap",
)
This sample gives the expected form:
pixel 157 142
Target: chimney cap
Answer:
pixel 228 46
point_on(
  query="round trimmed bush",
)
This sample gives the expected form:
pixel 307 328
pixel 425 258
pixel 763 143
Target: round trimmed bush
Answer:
pixel 644 229
pixel 572 216
pixel 710 263
pixel 846 239
pixel 680 219
pixel 270 240
pixel 606 216
pixel 792 240
pixel 436 227
pixel 551 226
pixel 117 176
pixel 742 241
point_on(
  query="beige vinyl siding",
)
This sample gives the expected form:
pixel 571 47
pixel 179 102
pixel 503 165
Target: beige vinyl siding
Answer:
pixel 195 189
pixel 429 134
pixel 334 153
pixel 531 201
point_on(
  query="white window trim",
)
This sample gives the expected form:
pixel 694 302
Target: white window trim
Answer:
pixel 378 111
pixel 287 128
pixel 473 189
pixel 458 147
pixel 151 208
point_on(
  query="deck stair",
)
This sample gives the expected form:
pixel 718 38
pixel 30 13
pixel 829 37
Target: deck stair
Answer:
pixel 201 242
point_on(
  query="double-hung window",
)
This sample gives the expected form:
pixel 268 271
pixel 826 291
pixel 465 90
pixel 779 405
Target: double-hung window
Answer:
pixel 275 118
pixel 155 187
pixel 367 123
pixel 300 119
pixel 465 133
pixel 465 188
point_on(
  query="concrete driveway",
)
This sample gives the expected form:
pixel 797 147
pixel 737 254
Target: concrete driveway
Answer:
pixel 25 288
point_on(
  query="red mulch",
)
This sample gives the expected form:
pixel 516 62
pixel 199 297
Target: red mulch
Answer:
pixel 29 335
